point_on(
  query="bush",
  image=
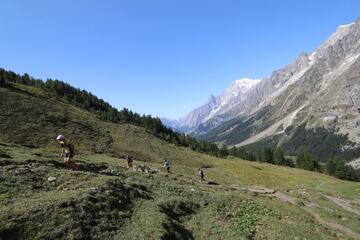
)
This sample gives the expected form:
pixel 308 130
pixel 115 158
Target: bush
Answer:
pixel 247 216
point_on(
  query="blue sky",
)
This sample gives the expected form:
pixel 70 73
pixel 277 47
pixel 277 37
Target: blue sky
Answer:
pixel 162 57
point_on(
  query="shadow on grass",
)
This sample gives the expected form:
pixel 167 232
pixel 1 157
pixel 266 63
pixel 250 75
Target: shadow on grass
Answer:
pixel 176 212
pixel 213 183
pixel 11 233
pixel 176 231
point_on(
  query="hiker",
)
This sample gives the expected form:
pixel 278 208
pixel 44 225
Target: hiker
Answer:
pixel 67 152
pixel 129 162
pixel 201 175
pixel 166 165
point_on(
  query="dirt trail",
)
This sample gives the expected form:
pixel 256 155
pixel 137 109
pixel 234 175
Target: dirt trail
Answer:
pixel 285 198
pixel 343 203
pixel 255 189
pixel 332 225
pixel 34 165
pixel 308 207
pixel 269 193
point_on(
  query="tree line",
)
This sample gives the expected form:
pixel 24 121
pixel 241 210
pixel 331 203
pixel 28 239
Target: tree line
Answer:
pixel 263 154
pixel 106 112
pixel 335 166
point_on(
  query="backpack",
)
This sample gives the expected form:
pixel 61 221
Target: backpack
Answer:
pixel 69 146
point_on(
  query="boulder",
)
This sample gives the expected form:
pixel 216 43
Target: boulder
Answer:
pixel 51 179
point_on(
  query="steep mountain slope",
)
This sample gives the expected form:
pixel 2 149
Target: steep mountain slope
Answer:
pixel 318 92
pixel 41 199
pixel 236 92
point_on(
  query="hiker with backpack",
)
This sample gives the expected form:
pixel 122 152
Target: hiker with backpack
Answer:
pixel 201 175
pixel 129 162
pixel 166 165
pixel 67 151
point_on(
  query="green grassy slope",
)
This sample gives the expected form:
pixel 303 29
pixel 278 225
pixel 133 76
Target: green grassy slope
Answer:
pixel 104 200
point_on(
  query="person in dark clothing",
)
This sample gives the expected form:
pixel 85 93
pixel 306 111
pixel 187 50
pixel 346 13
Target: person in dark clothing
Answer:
pixel 166 165
pixel 129 162
pixel 201 175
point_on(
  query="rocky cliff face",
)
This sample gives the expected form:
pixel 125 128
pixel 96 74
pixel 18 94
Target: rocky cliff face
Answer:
pixel 320 90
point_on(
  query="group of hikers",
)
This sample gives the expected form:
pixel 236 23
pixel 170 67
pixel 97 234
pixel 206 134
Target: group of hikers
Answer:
pixel 166 165
pixel 68 152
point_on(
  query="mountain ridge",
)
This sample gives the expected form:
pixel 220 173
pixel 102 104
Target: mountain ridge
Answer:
pixel 321 87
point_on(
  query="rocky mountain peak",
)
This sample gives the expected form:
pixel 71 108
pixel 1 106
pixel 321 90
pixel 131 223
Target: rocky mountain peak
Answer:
pixel 211 99
pixel 241 86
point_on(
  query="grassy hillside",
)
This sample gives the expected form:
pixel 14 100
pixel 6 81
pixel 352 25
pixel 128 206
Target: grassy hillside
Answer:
pixel 41 199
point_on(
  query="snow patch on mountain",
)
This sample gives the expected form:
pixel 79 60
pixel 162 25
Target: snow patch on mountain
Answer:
pixel 237 90
pixel 241 86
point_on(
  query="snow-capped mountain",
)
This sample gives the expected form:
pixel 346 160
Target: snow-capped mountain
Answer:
pixel 235 92
pixel 313 102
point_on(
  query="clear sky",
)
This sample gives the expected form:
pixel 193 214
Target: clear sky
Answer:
pixel 162 57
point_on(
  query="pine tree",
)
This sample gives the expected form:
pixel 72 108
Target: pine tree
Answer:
pixel 278 156
pixel 2 81
pixel 234 152
pixel 330 167
pixel 252 156
pixel 337 168
pixel 223 151
pixel 267 155
pixel 259 157
pixel 306 161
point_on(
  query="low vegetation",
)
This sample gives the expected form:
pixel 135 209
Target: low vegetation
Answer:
pixel 248 215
